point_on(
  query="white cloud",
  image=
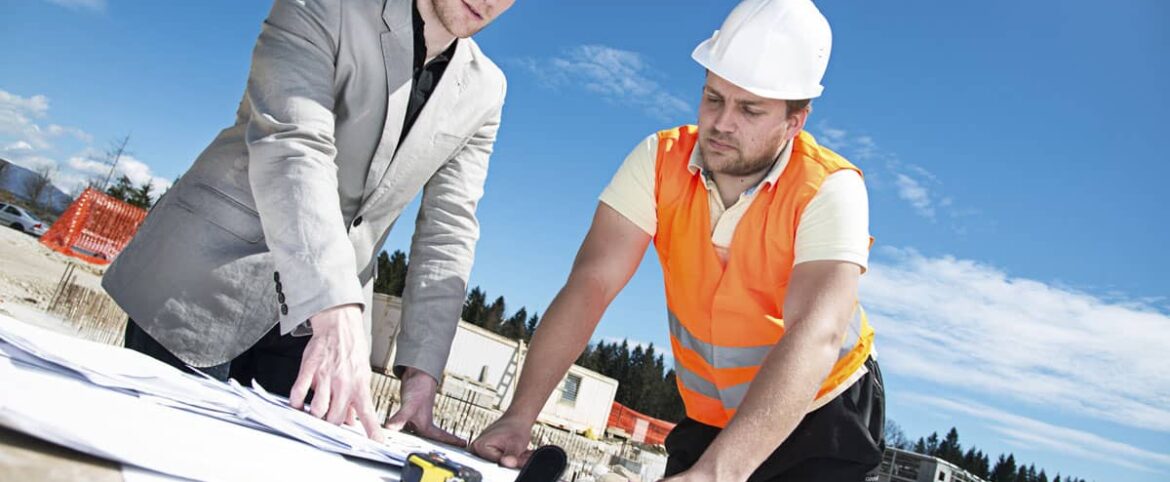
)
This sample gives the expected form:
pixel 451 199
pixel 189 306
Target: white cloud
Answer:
pixel 1032 433
pixel 18 146
pixel 138 172
pixel 618 76
pixel 17 116
pixel 18 122
pixel 964 325
pixel 25 142
pixel 92 5
pixel 915 185
pixel 912 191
pixel 34 162
pixel 832 138
pixel 57 130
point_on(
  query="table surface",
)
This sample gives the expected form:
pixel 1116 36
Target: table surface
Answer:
pixel 23 457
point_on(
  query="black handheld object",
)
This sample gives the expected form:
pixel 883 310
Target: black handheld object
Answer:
pixel 546 464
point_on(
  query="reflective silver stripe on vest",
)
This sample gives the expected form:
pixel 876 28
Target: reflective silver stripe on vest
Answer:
pixel 738 357
pixel 729 396
pixel 718 356
pixel 696 383
pixel 852 333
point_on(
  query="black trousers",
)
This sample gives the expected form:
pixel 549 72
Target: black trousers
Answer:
pixel 273 362
pixel 841 441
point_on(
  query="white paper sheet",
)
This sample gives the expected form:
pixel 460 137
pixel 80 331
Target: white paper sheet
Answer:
pixel 125 406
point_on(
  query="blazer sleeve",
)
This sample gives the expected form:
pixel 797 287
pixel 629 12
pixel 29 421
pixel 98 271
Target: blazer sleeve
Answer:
pixel 442 252
pixel 291 155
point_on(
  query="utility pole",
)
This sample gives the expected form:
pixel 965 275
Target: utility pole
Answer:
pixel 114 154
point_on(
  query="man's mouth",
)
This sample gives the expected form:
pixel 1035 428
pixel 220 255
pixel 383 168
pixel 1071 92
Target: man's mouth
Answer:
pixel 472 11
pixel 721 146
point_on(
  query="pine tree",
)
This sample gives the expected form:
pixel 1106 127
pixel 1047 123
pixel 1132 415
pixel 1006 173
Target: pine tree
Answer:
pixel 1004 470
pixel 530 326
pixel 932 444
pixel 920 446
pixel 496 313
pixel 475 308
pixel 391 273
pixel 513 327
pixel 949 449
pixel 121 189
pixel 397 275
pixel 984 466
pixel 672 406
pixel 141 196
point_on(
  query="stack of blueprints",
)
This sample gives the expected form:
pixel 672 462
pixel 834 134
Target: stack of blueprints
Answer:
pixel 121 405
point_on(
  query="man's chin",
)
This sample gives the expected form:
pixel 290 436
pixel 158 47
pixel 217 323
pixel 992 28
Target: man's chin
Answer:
pixel 716 161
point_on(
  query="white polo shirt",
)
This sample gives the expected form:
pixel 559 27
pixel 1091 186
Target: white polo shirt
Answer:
pixel 834 225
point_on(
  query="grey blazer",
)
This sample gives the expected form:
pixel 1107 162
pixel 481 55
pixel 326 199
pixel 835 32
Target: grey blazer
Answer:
pixel 282 216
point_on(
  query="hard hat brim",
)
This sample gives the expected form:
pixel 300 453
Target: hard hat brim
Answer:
pixel 702 55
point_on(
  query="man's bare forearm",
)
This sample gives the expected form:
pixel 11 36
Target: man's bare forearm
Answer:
pixel 817 309
pixel 774 405
pixel 607 259
pixel 561 337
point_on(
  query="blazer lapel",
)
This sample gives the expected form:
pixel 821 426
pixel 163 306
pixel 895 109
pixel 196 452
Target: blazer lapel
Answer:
pixel 411 158
pixel 398 53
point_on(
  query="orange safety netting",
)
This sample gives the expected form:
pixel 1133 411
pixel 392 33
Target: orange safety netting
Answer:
pixel 639 426
pixel 94 228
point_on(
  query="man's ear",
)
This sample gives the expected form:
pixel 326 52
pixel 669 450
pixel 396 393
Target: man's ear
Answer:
pixel 796 121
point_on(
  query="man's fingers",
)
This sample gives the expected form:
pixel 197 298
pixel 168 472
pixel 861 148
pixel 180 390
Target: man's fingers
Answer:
pixel 300 388
pixel 523 458
pixel 399 419
pixel 339 405
pixel 368 416
pixel 487 451
pixel 321 399
pixel 433 432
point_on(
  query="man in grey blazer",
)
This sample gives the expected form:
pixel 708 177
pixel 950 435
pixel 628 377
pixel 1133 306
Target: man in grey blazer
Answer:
pixel 259 262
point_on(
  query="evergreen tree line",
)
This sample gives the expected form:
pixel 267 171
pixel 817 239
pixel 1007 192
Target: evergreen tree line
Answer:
pixel 973 460
pixel 477 310
pixel 125 190
pixel 644 383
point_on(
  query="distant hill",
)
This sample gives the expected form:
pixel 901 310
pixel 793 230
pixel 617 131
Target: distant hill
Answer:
pixel 12 179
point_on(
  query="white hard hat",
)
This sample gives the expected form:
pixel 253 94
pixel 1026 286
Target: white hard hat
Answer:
pixel 777 49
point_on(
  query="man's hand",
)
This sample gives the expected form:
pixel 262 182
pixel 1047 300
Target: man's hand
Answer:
pixel 505 441
pixel 416 415
pixel 336 366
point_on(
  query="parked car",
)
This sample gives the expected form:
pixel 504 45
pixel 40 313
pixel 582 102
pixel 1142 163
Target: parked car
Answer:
pixel 21 220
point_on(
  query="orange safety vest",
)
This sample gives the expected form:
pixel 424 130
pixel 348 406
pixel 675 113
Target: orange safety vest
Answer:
pixel 725 319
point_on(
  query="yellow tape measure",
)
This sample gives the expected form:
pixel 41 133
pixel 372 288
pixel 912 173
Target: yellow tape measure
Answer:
pixel 434 467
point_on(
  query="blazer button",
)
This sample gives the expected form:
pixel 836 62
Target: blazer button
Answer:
pixel 279 287
pixel 280 298
pixel 283 309
pixel 276 277
pixel 357 221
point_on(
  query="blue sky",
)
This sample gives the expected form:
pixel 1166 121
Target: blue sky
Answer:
pixel 1014 153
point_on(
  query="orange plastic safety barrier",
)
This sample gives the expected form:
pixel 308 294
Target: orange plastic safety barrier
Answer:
pixel 95 228
pixel 639 426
